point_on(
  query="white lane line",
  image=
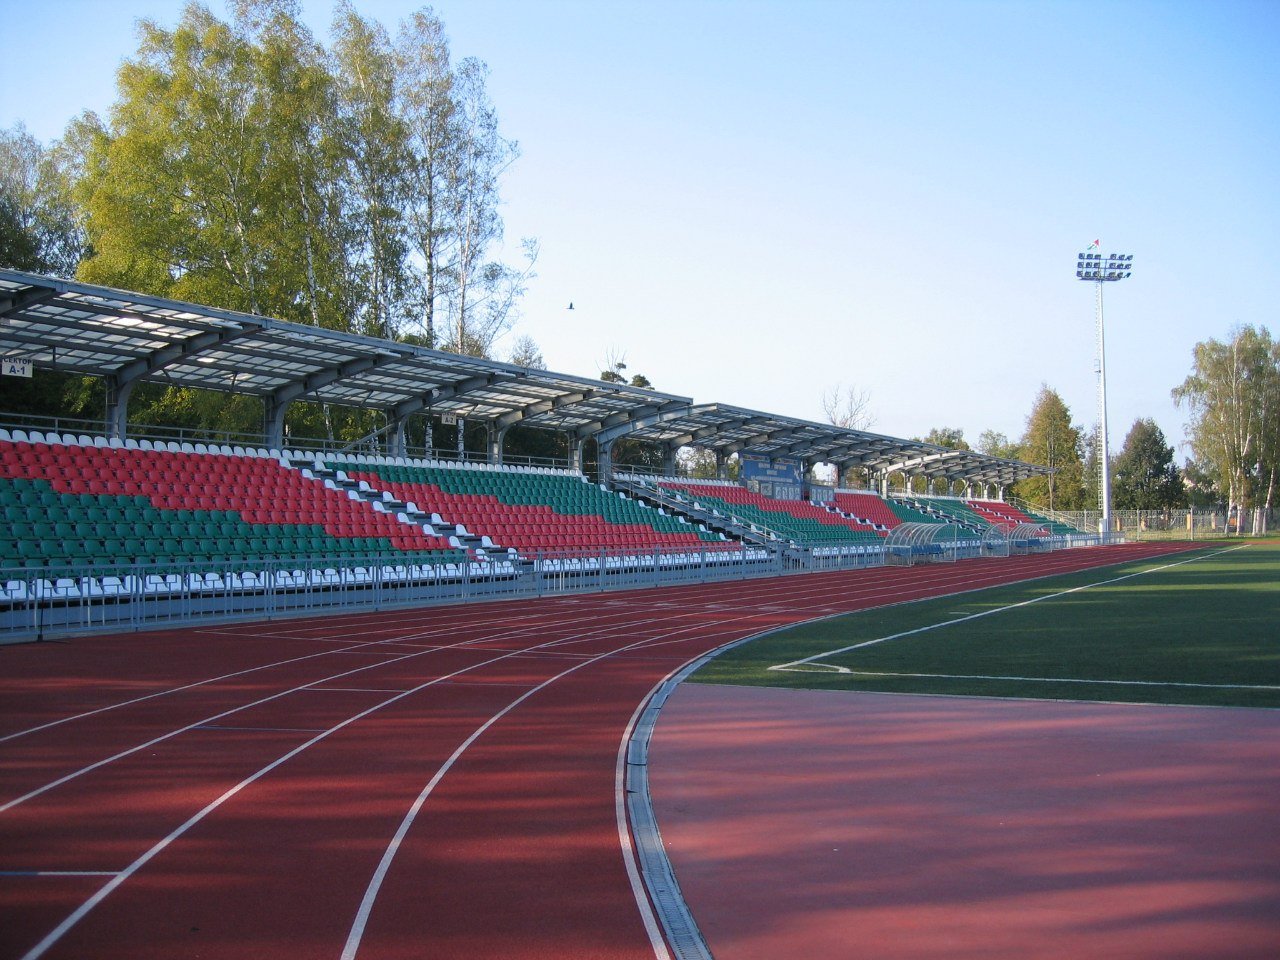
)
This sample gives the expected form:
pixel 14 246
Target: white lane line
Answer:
pixel 228 726
pixel 16 801
pixel 417 634
pixel 794 665
pixel 361 920
pixel 356 648
pixel 360 923
pixel 58 873
pixel 85 908
pixel 120 878
pixel 352 689
pixel 207 721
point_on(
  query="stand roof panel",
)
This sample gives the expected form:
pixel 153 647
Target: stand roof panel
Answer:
pixel 80 328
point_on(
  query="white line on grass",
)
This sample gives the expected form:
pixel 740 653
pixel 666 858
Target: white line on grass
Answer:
pixel 794 665
pixel 1121 683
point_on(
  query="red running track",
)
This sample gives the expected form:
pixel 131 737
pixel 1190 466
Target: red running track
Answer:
pixel 849 825
pixel 429 783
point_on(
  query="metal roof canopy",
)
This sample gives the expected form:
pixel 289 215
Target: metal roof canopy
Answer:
pixel 125 337
pixel 128 337
pixel 727 430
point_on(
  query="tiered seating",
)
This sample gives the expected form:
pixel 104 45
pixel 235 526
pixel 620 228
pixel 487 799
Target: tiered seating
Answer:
pixel 887 513
pixel 997 512
pixel 98 504
pixel 1053 526
pixel 1007 514
pixel 793 519
pixel 909 514
pixel 957 510
pixel 534 511
pixel 868 507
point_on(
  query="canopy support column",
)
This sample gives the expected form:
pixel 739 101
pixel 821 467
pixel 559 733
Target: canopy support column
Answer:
pixel 273 412
pixel 116 415
pixel 604 459
pixel 396 440
pixel 669 461
pixel 496 436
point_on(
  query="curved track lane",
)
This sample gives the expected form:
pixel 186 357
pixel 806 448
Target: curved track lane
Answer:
pixel 417 783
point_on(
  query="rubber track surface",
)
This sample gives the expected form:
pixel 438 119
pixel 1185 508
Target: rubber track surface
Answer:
pixel 235 792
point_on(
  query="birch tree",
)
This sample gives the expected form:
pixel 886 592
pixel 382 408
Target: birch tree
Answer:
pixel 1232 396
pixel 374 142
pixel 39 226
pixel 482 292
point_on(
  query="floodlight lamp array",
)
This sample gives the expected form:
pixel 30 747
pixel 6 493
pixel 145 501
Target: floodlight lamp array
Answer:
pixel 1096 267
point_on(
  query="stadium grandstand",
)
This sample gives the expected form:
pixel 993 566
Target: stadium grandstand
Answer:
pixel 115 527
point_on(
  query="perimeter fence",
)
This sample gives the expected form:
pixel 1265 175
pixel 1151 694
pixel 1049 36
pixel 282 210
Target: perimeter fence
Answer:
pixel 48 601
pixel 52 600
pixel 1187 524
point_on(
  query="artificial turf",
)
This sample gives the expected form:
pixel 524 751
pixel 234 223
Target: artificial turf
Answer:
pixel 1194 628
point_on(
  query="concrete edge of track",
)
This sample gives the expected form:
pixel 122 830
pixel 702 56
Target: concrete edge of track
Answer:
pixel 684 937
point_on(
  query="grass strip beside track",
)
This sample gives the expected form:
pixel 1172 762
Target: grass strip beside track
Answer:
pixel 1202 632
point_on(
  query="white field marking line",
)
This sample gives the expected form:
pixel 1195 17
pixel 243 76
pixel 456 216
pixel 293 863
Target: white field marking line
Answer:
pixel 794 664
pixel 83 910
pixel 827 613
pixel 818 591
pixel 834 586
pixel 1119 683
pixel 360 923
pixel 1048 570
pixel 9 805
pixel 994 576
pixel 354 648
pixel 1055 565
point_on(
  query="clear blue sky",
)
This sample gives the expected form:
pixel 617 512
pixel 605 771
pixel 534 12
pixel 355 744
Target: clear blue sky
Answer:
pixel 757 200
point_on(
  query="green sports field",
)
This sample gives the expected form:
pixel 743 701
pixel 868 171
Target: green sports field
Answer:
pixel 1190 628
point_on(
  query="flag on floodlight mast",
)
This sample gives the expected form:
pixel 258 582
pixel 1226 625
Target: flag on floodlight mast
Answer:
pixel 1095 245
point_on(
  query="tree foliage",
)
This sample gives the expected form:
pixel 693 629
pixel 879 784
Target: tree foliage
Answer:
pixel 39 228
pixel 1052 441
pixel 995 444
pixel 1233 395
pixel 614 364
pixel 1145 475
pixel 950 437
pixel 248 166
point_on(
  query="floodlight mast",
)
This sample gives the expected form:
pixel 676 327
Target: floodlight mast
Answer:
pixel 1096 268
